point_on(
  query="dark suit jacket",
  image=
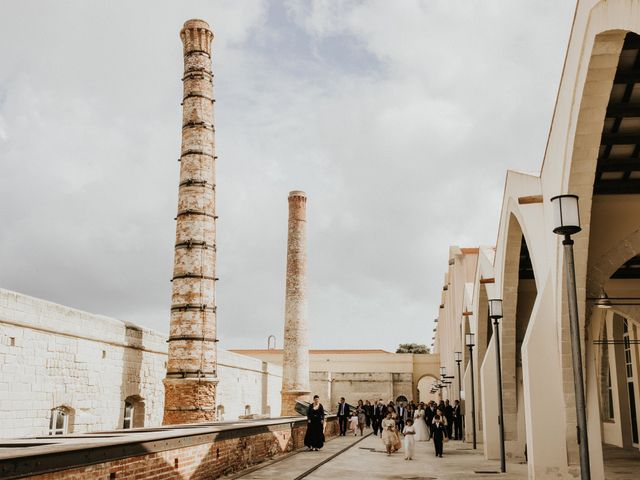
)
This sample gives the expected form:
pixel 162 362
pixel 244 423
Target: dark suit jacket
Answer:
pixel 343 413
pixel 429 414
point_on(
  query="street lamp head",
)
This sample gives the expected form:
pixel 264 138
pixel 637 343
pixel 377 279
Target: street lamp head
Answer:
pixel 470 339
pixel 603 301
pixel 457 356
pixel 566 214
pixel 495 308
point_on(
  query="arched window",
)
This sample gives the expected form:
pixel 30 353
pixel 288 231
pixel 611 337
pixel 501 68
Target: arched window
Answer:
pixel 247 409
pixel 133 412
pixel 220 410
pixel 59 422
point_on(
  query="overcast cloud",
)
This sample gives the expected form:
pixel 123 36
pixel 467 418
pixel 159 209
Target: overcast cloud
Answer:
pixel 399 120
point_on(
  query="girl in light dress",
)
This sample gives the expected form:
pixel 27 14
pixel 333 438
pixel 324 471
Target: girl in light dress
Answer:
pixel 409 442
pixel 389 438
pixel 420 426
pixel 353 423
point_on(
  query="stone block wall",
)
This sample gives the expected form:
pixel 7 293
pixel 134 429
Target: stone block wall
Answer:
pixel 55 356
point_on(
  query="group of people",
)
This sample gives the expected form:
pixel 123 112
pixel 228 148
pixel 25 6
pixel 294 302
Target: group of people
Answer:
pixel 415 422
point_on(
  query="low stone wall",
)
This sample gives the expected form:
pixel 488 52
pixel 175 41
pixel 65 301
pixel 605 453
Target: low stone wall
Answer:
pixel 52 356
pixel 187 452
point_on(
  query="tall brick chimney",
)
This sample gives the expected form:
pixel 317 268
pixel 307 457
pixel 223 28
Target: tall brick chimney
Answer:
pixel 190 384
pixel 295 374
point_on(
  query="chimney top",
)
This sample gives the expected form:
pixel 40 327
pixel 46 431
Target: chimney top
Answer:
pixel 196 23
pixel 297 193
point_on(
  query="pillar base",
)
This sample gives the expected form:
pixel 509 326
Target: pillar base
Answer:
pixel 189 400
pixel 288 408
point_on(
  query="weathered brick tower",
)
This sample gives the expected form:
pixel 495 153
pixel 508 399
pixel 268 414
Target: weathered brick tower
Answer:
pixel 295 374
pixel 190 384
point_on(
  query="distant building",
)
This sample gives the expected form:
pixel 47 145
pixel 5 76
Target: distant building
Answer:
pixel 364 374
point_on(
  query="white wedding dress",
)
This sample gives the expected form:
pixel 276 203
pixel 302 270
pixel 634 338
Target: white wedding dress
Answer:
pixel 422 435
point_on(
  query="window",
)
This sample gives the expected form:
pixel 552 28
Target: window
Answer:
pixel 630 385
pixel 134 412
pixel 128 415
pixel 610 397
pixel 220 410
pixel 59 421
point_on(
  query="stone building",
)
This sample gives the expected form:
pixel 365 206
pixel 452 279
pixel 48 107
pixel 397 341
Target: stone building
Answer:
pixel 364 374
pixel 63 370
pixel 592 152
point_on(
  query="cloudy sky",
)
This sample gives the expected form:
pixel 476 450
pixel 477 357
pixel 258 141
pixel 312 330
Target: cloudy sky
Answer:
pixel 399 120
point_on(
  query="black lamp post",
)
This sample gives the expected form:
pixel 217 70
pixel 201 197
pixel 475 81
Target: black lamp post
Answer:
pixel 566 222
pixel 457 356
pixel 470 342
pixel 495 312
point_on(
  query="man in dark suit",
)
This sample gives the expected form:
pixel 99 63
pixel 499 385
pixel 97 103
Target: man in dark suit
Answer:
pixel 457 420
pixel 343 416
pixel 401 413
pixel 374 417
pixel 448 414
pixel 380 412
pixel 430 412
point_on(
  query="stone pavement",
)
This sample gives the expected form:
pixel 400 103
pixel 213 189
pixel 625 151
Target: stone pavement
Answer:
pixel 369 460
pixel 301 462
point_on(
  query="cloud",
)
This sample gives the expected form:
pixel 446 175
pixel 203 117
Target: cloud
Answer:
pixel 398 120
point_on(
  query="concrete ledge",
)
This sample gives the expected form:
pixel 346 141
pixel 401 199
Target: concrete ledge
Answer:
pixel 192 451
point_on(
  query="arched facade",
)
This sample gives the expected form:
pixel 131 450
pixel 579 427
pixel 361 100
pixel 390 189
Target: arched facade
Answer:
pixel 593 151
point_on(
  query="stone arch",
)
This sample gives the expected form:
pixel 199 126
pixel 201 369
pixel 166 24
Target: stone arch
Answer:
pixel 602 268
pixel 519 293
pixel 424 388
pixel 593 97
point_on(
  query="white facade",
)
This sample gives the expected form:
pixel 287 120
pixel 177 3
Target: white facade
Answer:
pixel 592 132
pixel 90 366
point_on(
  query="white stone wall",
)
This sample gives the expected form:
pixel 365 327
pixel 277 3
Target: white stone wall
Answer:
pixel 52 355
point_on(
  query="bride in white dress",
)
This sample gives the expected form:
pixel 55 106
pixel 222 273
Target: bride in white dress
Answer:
pixel 422 435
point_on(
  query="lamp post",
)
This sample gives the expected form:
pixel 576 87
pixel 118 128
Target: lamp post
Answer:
pixel 495 313
pixel 469 340
pixel 457 356
pixel 566 222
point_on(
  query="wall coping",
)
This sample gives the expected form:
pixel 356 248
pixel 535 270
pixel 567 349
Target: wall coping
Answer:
pixel 40 455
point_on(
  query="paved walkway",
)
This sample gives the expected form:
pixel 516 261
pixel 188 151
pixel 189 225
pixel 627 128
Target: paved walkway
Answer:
pixel 368 459
pixel 299 463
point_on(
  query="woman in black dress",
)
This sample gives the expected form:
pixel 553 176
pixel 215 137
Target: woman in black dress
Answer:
pixel 314 438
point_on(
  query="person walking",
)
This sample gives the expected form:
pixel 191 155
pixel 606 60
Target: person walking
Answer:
pixel 314 437
pixel 388 426
pixel 343 416
pixel 362 415
pixel 419 425
pixel 439 434
pixel 381 413
pixel 375 421
pixel 429 413
pixel 368 410
pixel 401 413
pixel 448 413
pixel 409 440
pixel 457 420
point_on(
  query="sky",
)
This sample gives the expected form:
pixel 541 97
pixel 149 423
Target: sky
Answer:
pixel 398 119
